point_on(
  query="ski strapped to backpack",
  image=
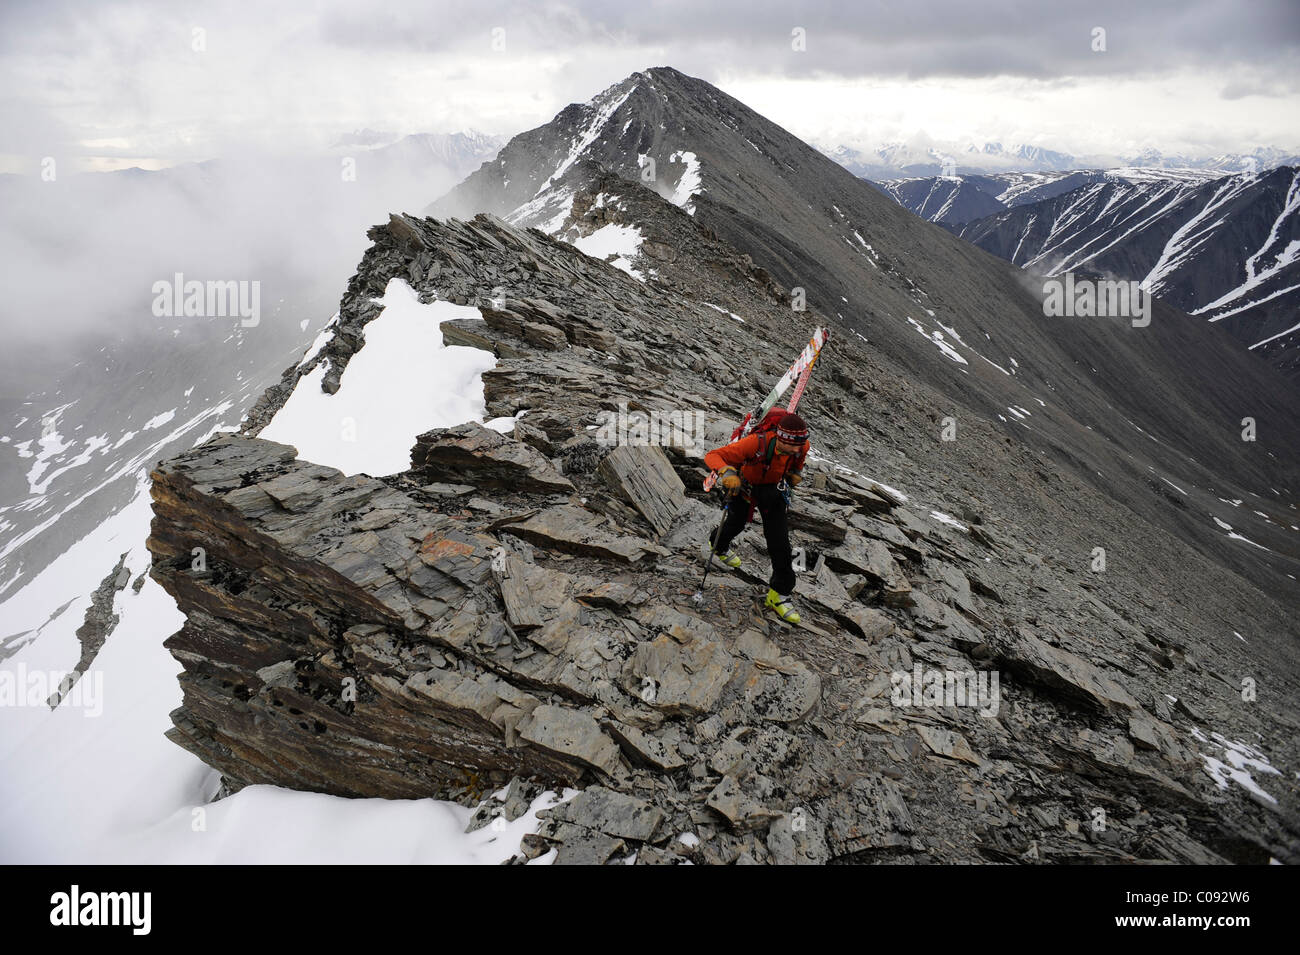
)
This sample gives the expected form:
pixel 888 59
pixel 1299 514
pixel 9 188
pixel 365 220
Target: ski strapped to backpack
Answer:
pixel 758 419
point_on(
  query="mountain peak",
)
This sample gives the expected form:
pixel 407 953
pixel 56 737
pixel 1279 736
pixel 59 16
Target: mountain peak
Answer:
pixel 672 132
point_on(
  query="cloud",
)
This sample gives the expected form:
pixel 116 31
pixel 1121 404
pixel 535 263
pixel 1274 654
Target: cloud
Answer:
pixel 82 252
pixel 951 38
pixel 1268 86
pixel 299 75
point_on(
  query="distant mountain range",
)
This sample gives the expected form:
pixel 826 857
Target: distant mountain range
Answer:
pixel 1223 248
pixel 911 160
pixel 1217 238
pixel 456 151
pixel 952 200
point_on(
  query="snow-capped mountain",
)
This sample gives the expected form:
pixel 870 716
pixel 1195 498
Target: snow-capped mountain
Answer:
pixel 1259 160
pixel 942 199
pixel 899 160
pixel 1225 250
pixel 953 200
pixel 458 153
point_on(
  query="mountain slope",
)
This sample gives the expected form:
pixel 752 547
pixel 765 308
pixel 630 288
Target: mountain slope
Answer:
pixel 102 386
pixel 942 199
pixel 953 200
pixel 1226 250
pixel 946 313
pixel 516 602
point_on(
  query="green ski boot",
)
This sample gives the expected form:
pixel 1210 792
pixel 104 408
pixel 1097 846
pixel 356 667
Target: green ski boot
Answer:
pixel 730 559
pixel 784 609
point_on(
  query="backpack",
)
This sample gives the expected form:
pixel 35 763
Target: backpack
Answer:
pixel 766 427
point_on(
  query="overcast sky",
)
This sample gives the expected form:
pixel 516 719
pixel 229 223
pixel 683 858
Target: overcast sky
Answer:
pixel 110 84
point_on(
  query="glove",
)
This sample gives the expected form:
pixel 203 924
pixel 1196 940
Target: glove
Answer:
pixel 794 479
pixel 730 479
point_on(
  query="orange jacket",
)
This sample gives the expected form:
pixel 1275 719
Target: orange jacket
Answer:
pixel 748 456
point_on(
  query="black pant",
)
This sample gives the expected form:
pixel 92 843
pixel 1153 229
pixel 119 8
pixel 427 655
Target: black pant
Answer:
pixel 771 504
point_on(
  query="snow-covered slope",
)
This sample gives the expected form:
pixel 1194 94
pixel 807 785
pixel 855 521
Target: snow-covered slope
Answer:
pixel 944 199
pixel 95 385
pixel 99 781
pixel 72 454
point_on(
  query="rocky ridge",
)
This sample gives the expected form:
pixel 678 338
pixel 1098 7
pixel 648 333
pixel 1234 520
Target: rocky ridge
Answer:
pixel 1149 418
pixel 515 611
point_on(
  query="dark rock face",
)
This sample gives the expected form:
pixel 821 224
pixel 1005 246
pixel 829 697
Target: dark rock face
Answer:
pixel 348 637
pixel 948 200
pixel 98 626
pixel 300 669
pixel 490 460
pixel 516 610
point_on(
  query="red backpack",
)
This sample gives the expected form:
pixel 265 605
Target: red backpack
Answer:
pixel 766 427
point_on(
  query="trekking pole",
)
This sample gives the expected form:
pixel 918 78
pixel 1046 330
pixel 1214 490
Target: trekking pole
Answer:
pixel 713 549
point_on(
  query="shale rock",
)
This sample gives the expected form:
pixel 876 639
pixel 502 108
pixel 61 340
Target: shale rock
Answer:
pixel 485 457
pixel 516 609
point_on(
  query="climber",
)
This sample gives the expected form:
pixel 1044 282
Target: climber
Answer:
pixel 759 470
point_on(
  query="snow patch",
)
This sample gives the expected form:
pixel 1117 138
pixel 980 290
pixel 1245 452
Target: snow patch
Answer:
pixel 402 383
pixel 158 420
pixel 1237 762
pixel 937 337
pixel 622 242
pixel 719 308
pixel 587 136
pixel 689 182
pixel 948 519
